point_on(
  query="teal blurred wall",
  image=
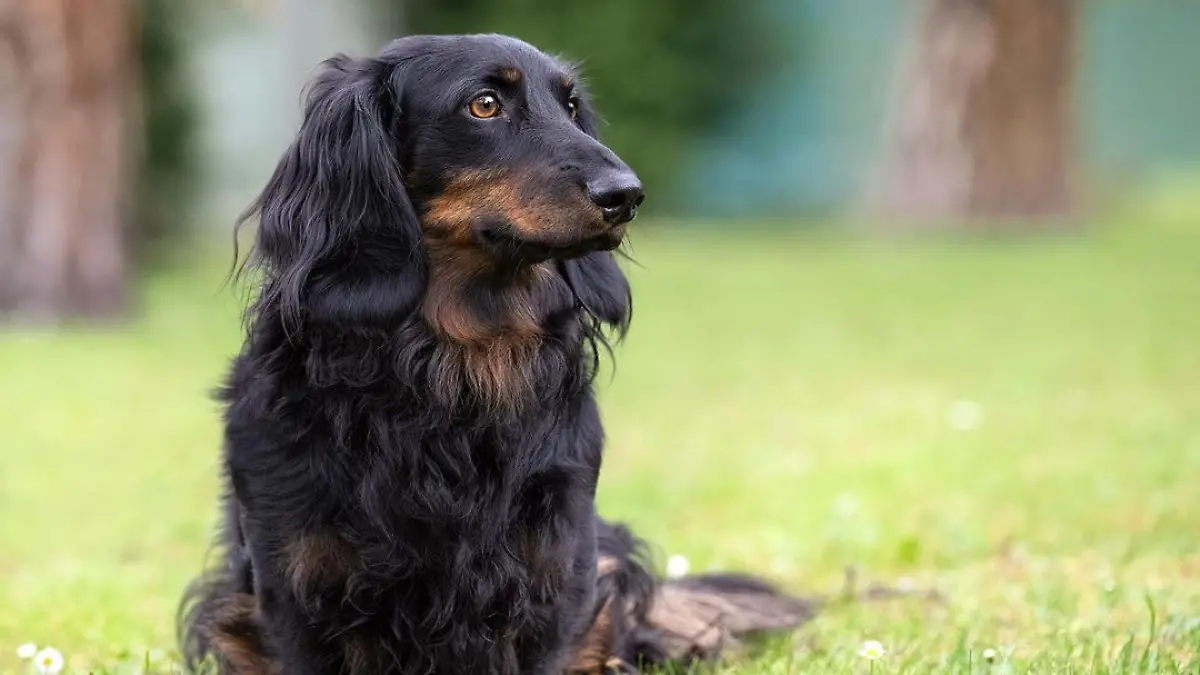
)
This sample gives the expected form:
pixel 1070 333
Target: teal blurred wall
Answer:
pixel 808 142
pixel 805 141
pixel 1140 86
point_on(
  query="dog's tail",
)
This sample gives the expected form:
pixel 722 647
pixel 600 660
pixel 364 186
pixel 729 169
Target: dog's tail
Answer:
pixel 705 617
pixel 641 623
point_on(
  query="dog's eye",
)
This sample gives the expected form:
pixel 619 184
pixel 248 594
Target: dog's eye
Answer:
pixel 573 107
pixel 484 106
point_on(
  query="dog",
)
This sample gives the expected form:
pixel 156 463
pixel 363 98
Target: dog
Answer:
pixel 412 444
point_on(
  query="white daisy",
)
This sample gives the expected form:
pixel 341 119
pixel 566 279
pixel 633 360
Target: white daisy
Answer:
pixel 26 651
pixel 49 661
pixel 872 650
pixel 677 567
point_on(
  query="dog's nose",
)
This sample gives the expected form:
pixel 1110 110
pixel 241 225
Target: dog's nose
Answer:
pixel 618 194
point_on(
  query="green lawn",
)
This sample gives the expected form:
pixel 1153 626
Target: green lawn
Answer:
pixel 783 404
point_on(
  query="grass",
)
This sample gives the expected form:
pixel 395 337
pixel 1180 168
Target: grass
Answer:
pixel 780 406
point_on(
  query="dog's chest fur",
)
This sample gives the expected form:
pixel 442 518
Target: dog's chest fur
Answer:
pixel 408 542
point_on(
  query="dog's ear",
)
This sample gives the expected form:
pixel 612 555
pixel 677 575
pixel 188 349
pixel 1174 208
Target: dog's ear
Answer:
pixel 338 236
pixel 602 289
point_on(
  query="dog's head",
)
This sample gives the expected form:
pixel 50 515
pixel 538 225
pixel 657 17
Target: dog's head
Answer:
pixel 472 158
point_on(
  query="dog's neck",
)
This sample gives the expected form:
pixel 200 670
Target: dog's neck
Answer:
pixel 492 325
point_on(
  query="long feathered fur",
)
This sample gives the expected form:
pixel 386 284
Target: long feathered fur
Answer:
pixel 411 439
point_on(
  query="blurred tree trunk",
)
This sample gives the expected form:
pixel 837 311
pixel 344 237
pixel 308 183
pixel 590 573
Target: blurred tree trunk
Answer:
pixel 985 123
pixel 67 70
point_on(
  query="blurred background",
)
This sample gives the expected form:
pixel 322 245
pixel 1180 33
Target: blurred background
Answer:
pixel 916 289
pixel 147 123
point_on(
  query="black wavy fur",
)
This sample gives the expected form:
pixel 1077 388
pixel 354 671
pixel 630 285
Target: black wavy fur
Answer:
pixel 411 439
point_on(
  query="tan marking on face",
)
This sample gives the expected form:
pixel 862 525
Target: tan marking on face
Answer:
pixel 519 199
pixel 510 75
pixel 448 216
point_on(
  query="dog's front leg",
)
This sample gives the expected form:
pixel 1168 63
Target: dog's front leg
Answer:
pixel 291 589
pixel 295 639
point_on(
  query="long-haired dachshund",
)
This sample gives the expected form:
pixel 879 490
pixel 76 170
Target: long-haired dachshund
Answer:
pixel 411 439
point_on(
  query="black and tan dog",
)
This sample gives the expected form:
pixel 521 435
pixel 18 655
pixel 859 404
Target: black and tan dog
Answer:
pixel 412 442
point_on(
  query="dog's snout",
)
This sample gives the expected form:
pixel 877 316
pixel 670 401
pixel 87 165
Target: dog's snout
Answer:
pixel 618 194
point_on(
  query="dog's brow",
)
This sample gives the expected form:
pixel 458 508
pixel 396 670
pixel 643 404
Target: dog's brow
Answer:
pixel 510 74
